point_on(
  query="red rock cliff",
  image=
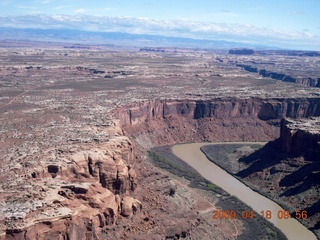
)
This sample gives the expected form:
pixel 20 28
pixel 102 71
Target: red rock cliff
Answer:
pixel 299 136
pixel 224 119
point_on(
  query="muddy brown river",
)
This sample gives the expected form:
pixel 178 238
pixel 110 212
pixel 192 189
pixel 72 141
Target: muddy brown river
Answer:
pixel 191 154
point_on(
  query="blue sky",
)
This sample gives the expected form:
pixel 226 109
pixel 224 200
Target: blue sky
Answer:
pixel 293 23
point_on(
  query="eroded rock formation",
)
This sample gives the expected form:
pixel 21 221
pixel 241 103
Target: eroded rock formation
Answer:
pixel 81 191
pixel 299 136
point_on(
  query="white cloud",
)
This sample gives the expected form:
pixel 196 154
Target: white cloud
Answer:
pixel 175 28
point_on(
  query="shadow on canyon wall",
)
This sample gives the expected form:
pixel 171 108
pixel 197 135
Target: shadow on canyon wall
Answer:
pixel 306 177
pixel 271 154
pixel 299 173
pixel 265 157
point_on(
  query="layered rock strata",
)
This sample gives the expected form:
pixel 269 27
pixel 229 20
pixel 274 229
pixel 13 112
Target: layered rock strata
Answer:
pixel 299 136
pixel 160 122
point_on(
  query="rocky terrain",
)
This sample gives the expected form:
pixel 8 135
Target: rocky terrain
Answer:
pixel 300 136
pixel 77 124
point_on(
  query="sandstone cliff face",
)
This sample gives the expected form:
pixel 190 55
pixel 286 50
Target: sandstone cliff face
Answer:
pixel 300 136
pixel 264 109
pixel 230 119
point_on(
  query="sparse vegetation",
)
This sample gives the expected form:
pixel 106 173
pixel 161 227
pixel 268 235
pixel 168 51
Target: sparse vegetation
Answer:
pixel 211 186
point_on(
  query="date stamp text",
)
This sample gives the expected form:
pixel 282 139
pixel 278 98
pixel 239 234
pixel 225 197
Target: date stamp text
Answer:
pixel 267 214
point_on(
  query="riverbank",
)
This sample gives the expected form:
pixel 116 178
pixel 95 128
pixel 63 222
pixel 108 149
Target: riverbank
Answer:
pixel 261 171
pixel 191 154
pixel 164 158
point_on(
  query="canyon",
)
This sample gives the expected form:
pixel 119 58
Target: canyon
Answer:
pixel 74 142
pixel 222 119
pixel 226 120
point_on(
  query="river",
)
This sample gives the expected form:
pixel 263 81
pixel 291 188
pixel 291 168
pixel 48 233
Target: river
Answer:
pixel 191 154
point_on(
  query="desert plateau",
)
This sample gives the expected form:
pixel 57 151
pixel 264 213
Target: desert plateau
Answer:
pixel 87 131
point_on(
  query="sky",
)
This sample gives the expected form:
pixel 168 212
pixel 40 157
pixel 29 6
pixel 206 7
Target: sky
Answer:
pixel 281 23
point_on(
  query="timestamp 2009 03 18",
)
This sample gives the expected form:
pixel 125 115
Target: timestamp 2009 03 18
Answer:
pixel 281 214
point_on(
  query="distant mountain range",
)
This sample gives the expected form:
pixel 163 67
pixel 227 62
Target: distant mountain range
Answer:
pixel 117 39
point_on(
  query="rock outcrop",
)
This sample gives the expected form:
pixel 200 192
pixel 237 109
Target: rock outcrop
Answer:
pixel 129 205
pixel 73 192
pixel 299 136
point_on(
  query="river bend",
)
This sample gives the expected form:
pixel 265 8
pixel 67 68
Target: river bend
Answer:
pixel 191 154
